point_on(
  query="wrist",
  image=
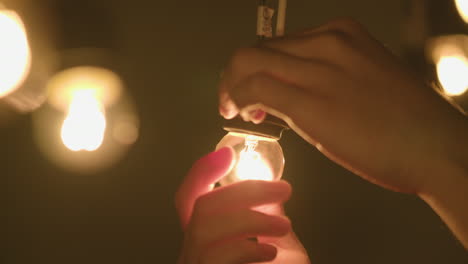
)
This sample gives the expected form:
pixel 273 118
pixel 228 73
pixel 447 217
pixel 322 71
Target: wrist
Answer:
pixel 448 162
pixel 445 188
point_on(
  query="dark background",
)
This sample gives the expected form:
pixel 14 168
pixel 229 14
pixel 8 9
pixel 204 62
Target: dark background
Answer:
pixel 170 54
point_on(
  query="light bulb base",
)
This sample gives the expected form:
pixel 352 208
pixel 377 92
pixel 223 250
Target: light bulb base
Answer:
pixel 271 127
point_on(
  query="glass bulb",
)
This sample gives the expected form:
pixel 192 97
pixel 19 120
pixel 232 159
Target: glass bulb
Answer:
pixel 257 158
pixel 15 54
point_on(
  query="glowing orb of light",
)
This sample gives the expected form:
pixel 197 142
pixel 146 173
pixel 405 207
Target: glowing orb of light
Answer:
pixel 452 72
pixel 251 166
pixel 85 124
pixel 15 55
pixel 462 7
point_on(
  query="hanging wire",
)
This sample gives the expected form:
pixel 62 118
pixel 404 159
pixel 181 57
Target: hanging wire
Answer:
pixel 281 19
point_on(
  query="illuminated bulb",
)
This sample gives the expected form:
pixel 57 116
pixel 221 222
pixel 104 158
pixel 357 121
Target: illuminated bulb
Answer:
pixel 15 55
pixel 452 72
pixel 85 124
pixel 257 158
pixel 462 7
pixel 63 86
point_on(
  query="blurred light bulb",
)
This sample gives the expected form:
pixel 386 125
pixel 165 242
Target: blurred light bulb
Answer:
pixel 85 124
pixel 106 85
pixel 452 72
pixel 462 7
pixel 15 55
pixel 257 158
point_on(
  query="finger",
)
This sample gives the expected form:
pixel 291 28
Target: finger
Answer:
pixel 278 98
pixel 305 113
pixel 204 173
pixel 205 231
pixel 281 66
pixel 227 108
pixel 245 194
pixel 346 25
pixel 340 38
pixel 322 45
pixel 239 252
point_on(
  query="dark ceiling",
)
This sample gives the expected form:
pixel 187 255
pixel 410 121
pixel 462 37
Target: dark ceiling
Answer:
pixel 170 54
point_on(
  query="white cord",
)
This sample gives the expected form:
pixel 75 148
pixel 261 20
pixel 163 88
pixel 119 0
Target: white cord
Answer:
pixel 281 20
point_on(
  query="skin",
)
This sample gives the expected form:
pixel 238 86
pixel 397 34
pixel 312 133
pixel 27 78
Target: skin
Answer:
pixel 218 223
pixel 347 95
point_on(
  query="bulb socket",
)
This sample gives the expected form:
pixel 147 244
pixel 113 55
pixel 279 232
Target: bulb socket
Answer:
pixel 271 127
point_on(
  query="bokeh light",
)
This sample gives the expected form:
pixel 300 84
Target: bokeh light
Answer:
pixel 15 54
pixel 89 122
pixel 449 54
pixel 85 124
pixel 462 7
pixel 126 129
pixel 452 72
pixel 84 92
pixel 105 86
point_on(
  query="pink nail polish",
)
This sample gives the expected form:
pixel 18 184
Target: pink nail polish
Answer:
pixel 259 115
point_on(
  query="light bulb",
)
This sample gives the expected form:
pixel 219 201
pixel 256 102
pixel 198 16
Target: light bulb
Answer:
pixel 453 74
pixel 85 124
pixel 15 55
pixel 462 7
pixel 256 158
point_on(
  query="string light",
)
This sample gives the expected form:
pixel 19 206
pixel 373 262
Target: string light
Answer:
pixel 462 7
pixel 15 54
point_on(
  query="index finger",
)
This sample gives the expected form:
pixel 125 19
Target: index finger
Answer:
pixel 290 70
pixel 200 180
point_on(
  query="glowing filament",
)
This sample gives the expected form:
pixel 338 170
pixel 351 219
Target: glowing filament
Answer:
pixel 453 74
pixel 251 165
pixel 85 124
pixel 15 57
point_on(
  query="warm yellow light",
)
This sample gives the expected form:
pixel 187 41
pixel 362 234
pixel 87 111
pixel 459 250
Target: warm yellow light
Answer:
pixel 15 55
pixel 105 84
pixel 462 6
pixel 453 74
pixel 251 165
pixel 126 132
pixel 85 124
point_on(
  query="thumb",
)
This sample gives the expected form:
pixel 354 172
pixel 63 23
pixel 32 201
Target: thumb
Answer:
pixel 200 180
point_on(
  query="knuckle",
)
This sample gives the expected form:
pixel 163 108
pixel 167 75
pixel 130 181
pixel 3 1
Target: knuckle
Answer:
pixel 241 57
pixel 255 84
pixel 252 187
pixel 347 25
pixel 199 206
pixel 337 37
pixel 253 220
pixel 336 40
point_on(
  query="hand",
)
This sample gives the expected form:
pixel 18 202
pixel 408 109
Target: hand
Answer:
pixel 343 92
pixel 218 223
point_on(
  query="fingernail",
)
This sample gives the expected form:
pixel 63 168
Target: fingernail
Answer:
pixel 219 157
pixel 227 113
pixel 257 116
pixel 222 152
